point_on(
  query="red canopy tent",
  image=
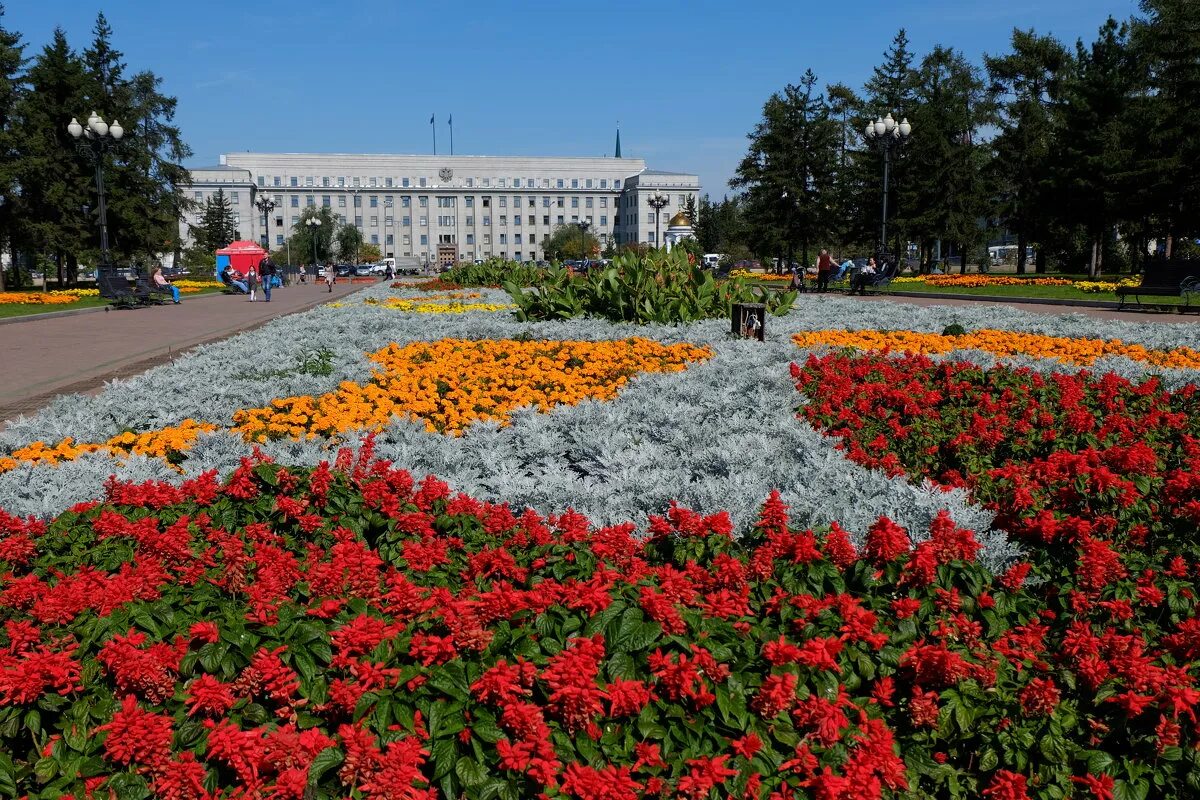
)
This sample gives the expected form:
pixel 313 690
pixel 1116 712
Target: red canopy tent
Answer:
pixel 240 256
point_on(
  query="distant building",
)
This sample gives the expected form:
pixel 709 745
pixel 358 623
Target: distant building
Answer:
pixel 481 206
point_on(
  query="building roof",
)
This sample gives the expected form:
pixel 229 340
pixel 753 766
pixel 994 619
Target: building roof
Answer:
pixel 218 168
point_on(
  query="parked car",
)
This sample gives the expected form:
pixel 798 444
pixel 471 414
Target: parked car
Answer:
pixel 343 270
pixel 749 265
pixel 363 270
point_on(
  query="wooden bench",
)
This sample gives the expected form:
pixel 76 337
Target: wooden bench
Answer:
pixel 115 289
pixel 1163 279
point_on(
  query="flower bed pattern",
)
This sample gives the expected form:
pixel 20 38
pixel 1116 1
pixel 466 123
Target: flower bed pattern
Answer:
pixel 453 382
pixel 165 443
pixel 351 630
pixel 977 281
pixel 1069 350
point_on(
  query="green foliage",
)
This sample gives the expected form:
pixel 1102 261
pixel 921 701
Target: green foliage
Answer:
pixel 304 237
pixel 568 242
pixel 216 227
pixel 349 243
pixel 954 329
pixel 493 272
pixel 659 287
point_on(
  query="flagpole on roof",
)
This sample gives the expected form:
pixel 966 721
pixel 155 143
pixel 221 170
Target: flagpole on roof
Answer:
pixel 433 125
pixel 451 134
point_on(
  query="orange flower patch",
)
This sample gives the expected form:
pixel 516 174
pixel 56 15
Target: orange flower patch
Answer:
pixel 163 443
pixel 453 382
pixel 1082 352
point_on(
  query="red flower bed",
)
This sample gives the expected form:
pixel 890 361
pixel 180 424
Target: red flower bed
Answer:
pixel 346 630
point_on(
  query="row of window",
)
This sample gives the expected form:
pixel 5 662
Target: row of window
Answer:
pixel 449 202
pixel 388 183
pixel 445 221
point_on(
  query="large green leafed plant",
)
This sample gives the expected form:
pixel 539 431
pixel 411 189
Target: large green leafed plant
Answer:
pixel 493 272
pixel 659 287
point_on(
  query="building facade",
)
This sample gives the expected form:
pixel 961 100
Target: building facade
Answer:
pixel 483 206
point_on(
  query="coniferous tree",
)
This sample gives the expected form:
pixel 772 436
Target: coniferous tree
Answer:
pixel 1026 79
pixel 217 227
pixel 12 87
pixel 790 170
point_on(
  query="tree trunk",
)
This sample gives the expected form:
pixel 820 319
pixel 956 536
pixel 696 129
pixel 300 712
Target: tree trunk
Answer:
pixel 1021 253
pixel 72 269
pixel 962 258
pixel 1039 262
pixel 1092 260
pixel 1 268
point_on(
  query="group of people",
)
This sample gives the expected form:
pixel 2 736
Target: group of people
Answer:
pixel 830 271
pixel 264 274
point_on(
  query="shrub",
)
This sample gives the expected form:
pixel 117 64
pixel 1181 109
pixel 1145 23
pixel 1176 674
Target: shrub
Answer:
pixel 493 272
pixel 658 287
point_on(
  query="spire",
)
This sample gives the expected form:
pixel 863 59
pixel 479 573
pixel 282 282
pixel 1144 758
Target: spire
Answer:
pixel 618 153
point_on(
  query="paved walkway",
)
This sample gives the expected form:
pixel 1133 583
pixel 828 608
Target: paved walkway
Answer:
pixel 1042 308
pixel 44 356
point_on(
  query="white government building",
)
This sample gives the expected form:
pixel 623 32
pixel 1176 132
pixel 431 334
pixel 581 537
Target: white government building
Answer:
pixel 438 208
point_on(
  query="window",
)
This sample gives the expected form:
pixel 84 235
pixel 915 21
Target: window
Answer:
pixel 310 200
pixel 357 201
pixel 279 201
pixel 423 201
pixel 199 196
pixel 262 180
pixel 530 183
pixel 295 220
pixel 374 221
pixel 531 238
pixel 341 201
pixel 487 222
pixel 389 239
pixel 545 183
pixel 405 201
pixel 389 221
pixel 374 182
pixel 446 221
pixel 406 239
pixel 279 238
pixel 470 238
pixel 237 218
pixel 424 239
pixel 559 183
pixel 574 202
pixel 388 183
pixel 374 238
pixel 504 238
pixel 616 183
pixel 341 218
pixel 588 203
pixel 546 220
pixel 326 200
pixel 404 183
pixel 358 181
pixel 342 182
pixel 604 202
pixel 603 221
pixel 516 219
pixel 517 255
pixel 560 219
pixel 487 238
pixel 503 220
pixel 374 201
pixel 422 181
pixel 574 218
pixel 503 183
pixel 294 182
pixel 516 202
pixel 278 181
pixel 487 201
pixel 682 200
pixel 574 183
pixel 357 222
pixel 650 236
pixel 470 183
pixel 470 221
pixel 545 202
pixel 504 202
pixel 233 197
pixel 469 202
pixel 532 219
pixel 533 202
pixel 560 201
pixel 487 182
pixel 517 239
pixel 650 217
pixel 308 181
pixel 325 182
pixel 406 221
pixel 445 202
pixel 604 183
pixel 424 222
pixel 588 183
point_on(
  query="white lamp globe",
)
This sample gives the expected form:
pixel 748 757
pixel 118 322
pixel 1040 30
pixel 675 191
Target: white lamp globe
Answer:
pixel 74 128
pixel 880 127
pixel 889 123
pixel 116 130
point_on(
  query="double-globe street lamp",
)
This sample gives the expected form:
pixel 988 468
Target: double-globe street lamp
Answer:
pixel 93 142
pixel 583 228
pixel 888 135
pixel 314 225
pixel 658 201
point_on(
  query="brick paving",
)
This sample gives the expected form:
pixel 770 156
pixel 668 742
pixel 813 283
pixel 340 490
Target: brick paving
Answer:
pixel 41 357
pixel 1043 308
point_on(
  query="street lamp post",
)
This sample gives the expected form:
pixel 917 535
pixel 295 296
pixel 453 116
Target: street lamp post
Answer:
pixel 888 135
pixel 658 201
pixel 583 228
pixel 389 223
pixel 265 206
pixel 314 225
pixel 93 142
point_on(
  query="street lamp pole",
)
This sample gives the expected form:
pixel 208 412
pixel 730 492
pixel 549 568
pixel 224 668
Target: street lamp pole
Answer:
pixel 658 201
pixel 93 142
pixel 583 227
pixel 265 206
pixel 314 225
pixel 888 135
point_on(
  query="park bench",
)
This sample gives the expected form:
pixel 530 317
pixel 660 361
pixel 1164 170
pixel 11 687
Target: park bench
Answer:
pixel 115 289
pixel 1163 279
pixel 147 293
pixel 878 282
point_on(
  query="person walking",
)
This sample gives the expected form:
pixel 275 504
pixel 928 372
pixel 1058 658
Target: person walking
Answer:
pixel 824 267
pixel 302 271
pixel 330 277
pixel 163 284
pixel 268 271
pixel 252 282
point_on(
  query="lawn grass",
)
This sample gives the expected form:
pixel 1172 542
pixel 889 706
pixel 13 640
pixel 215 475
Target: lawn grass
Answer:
pixel 8 310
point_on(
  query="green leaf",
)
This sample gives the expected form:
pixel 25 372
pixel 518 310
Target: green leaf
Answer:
pixel 443 755
pixel 470 772
pixel 451 678
pixel 327 759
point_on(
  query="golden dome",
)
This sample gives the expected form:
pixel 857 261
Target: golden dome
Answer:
pixel 680 220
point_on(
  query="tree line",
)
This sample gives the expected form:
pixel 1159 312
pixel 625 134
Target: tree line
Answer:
pixel 1082 153
pixel 48 203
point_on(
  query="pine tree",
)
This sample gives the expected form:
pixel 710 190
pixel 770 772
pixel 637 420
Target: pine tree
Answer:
pixel 217 227
pixel 12 87
pixel 790 170
pixel 1026 78
pixel 57 197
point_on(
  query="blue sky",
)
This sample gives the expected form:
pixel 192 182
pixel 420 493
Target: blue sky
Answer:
pixel 685 80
